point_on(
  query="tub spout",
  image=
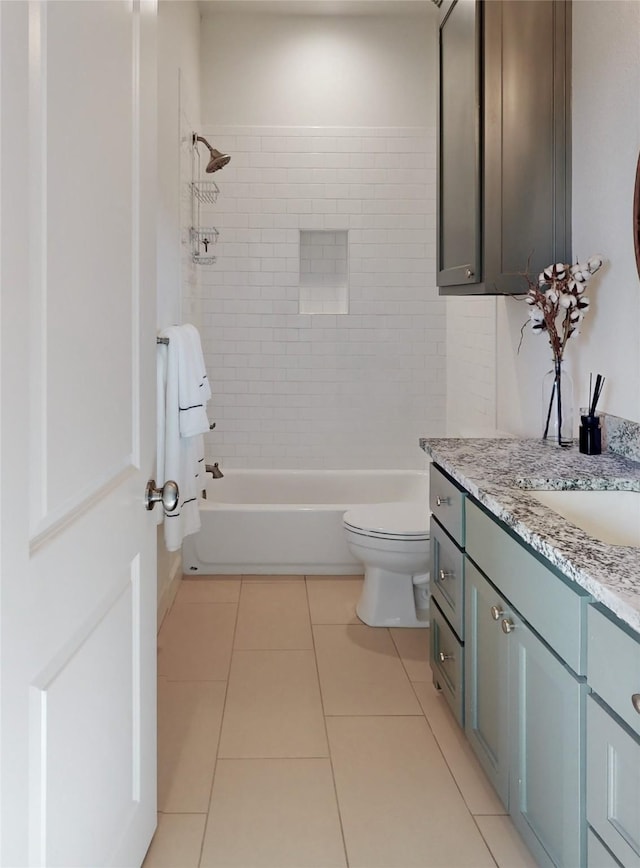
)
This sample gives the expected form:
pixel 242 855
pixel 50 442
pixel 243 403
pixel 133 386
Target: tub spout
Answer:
pixel 214 470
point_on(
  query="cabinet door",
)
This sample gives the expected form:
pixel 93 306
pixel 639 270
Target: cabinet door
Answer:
pixel 459 146
pixel 613 784
pixel 486 683
pixel 526 184
pixel 546 785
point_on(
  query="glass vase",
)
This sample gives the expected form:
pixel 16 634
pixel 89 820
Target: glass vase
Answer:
pixel 557 406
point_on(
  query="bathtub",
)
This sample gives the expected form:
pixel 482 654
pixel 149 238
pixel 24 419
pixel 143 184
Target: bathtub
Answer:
pixel 289 521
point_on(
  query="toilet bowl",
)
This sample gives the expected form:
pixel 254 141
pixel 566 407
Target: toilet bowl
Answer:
pixel 391 540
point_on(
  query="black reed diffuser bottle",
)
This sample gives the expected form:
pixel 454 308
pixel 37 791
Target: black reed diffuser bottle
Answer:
pixel 590 440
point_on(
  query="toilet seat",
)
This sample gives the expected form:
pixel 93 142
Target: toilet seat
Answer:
pixel 391 521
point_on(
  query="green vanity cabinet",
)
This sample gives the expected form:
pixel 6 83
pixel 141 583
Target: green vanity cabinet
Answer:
pixel 547 749
pixel 447 502
pixel 486 683
pixel 544 681
pixel 613 742
pixel 524 703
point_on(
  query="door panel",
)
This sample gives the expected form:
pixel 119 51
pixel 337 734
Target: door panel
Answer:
pixel 547 777
pixel 78 370
pixel 487 678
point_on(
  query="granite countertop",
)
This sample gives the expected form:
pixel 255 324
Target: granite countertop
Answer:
pixel 499 473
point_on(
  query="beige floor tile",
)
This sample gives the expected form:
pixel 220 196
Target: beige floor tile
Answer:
pixel 177 842
pixel 413 647
pixel 209 589
pixel 505 843
pixel 195 642
pixel 189 718
pixel 474 785
pixel 273 814
pixel 273 706
pixel 333 600
pixel 273 615
pixel 398 802
pixel 361 673
pixel 262 579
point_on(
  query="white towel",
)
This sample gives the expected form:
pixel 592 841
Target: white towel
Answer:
pixel 194 335
pixel 180 445
pixel 194 391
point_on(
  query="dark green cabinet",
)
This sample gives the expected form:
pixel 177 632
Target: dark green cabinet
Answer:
pixel 503 143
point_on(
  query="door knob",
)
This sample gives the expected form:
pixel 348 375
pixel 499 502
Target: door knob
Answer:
pixel 167 495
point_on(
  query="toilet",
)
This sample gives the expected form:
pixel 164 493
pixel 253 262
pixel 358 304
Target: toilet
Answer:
pixel 391 540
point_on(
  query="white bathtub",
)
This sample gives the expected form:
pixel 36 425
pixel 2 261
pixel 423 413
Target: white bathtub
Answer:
pixel 289 521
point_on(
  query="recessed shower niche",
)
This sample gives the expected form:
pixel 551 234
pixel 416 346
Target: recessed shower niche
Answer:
pixel 324 271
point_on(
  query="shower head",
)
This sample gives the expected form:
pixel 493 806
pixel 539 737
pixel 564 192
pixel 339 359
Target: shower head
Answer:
pixel 217 160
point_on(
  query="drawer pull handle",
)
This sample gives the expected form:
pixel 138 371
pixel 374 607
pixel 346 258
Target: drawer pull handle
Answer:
pixel 442 656
pixel 443 501
pixel 507 626
pixel 445 574
pixel 496 613
pixel 635 701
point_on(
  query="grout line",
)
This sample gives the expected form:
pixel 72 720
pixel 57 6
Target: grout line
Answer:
pixel 326 733
pixel 224 708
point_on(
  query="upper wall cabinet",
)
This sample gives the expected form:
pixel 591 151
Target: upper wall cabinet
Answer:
pixel 503 143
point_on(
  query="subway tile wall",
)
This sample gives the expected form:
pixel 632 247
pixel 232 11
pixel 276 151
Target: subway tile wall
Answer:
pixel 296 390
pixel 471 366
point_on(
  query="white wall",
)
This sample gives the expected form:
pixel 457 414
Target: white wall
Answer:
pixel 606 136
pixel 315 150
pixel 330 70
pixel 178 110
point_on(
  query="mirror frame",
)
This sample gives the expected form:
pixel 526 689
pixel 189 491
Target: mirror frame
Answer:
pixel 636 217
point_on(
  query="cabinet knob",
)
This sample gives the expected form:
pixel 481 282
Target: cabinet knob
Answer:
pixel 507 626
pixel 496 613
pixel 445 574
pixel 442 656
pixel 468 273
pixel 443 501
pixel 635 701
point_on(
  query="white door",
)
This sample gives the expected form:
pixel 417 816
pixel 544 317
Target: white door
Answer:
pixel 77 389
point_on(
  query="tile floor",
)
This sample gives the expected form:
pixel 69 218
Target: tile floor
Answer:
pixel 290 735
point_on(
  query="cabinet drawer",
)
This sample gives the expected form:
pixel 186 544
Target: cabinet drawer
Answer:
pixel 447 662
pixel 556 611
pixel 613 784
pixel 613 665
pixel 446 501
pixel 447 577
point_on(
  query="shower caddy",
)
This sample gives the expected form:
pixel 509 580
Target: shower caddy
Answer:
pixel 203 192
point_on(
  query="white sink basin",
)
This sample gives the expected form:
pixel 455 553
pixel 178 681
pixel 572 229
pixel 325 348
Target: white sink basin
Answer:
pixel 610 516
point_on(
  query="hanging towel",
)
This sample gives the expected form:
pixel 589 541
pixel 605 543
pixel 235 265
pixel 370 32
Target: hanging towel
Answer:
pixel 194 391
pixel 181 446
pixel 201 372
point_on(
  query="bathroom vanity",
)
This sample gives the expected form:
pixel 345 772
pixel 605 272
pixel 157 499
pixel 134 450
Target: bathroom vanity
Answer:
pixel 535 638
